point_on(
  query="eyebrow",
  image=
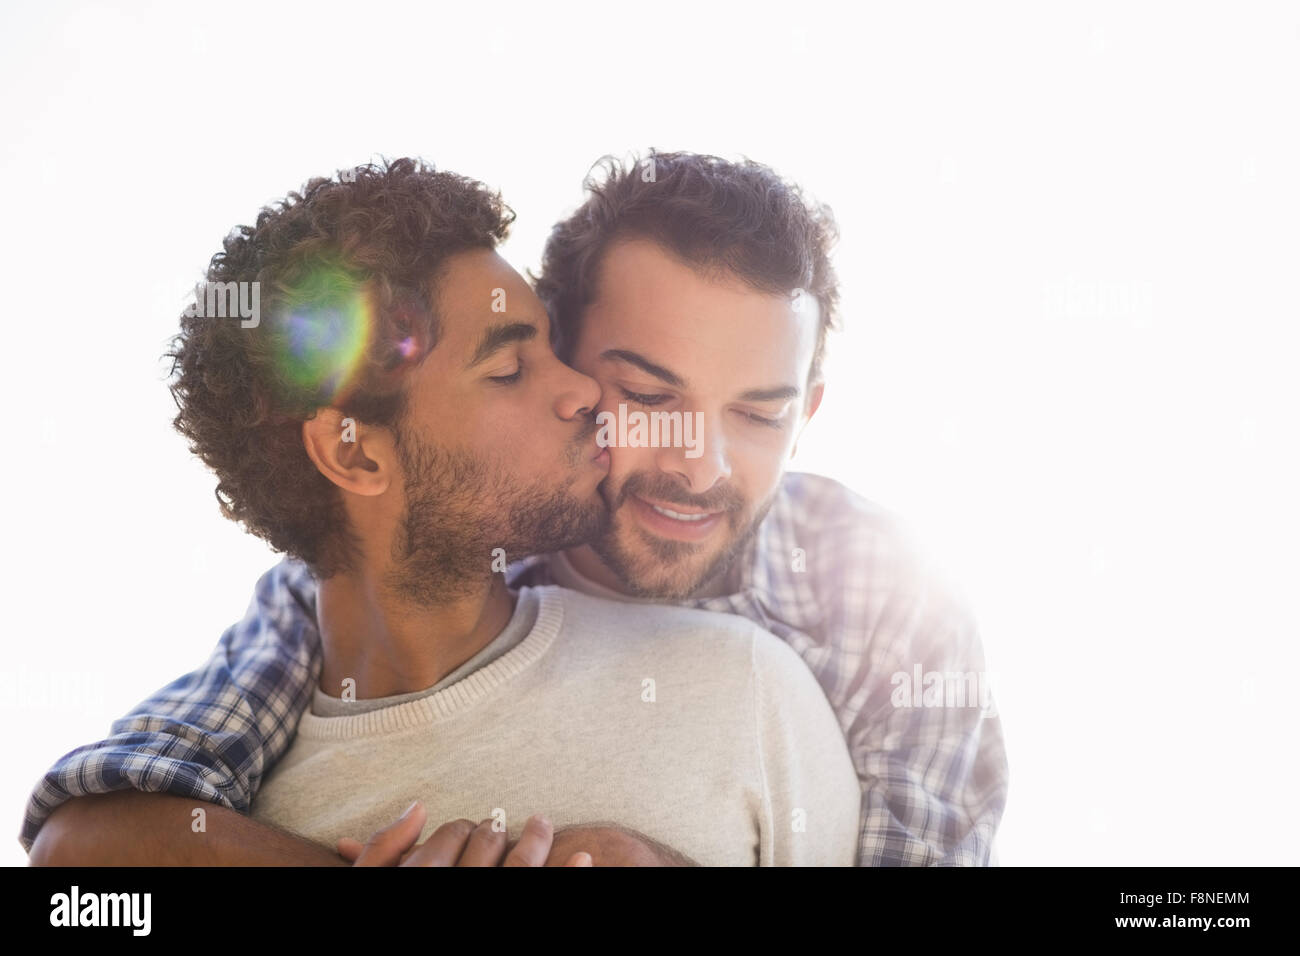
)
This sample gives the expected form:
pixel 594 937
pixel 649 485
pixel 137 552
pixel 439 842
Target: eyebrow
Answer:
pixel 775 393
pixel 645 365
pixel 770 394
pixel 499 335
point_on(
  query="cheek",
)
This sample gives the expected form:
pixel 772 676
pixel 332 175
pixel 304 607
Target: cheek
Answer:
pixel 524 438
pixel 608 398
pixel 624 461
pixel 757 476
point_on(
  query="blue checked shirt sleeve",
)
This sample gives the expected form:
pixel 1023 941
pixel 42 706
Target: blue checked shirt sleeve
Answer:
pixel 934 775
pixel 869 609
pixel 211 734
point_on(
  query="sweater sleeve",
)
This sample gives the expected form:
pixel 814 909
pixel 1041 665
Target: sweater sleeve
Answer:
pixel 810 792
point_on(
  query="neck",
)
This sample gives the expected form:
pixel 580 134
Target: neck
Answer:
pixel 390 646
pixel 588 563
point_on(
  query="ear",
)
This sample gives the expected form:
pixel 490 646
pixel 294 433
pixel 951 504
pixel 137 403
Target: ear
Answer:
pixel 354 456
pixel 814 403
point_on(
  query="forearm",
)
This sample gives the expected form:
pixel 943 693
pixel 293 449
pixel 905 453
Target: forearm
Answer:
pixel 131 828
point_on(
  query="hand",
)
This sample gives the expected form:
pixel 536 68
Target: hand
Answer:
pixel 458 843
pixel 612 845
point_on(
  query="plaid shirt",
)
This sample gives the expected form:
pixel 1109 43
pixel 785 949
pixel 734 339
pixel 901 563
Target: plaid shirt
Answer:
pixel 828 572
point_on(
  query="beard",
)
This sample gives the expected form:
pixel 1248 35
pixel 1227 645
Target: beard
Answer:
pixel 460 508
pixel 654 567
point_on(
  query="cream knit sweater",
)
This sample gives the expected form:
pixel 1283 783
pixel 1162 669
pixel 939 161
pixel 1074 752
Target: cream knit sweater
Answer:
pixel 700 730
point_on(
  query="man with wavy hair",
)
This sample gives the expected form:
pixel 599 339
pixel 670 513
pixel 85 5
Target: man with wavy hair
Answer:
pixel 687 283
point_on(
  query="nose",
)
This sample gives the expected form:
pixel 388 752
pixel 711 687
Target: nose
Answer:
pixel 701 473
pixel 577 396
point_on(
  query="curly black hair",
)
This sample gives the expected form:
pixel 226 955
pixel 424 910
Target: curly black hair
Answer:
pixel 369 243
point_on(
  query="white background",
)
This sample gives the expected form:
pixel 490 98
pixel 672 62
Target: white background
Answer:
pixel 1069 263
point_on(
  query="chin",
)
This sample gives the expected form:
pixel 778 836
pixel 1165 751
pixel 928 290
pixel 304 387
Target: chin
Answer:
pixel 671 589
pixel 647 573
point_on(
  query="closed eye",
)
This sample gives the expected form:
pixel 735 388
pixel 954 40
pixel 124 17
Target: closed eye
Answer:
pixel 508 379
pixel 643 399
pixel 760 420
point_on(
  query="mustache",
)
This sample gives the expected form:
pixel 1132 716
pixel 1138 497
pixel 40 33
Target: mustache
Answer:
pixel 587 430
pixel 577 448
pixel 663 488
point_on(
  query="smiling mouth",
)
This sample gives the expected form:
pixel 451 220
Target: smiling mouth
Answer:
pixel 680 516
pixel 673 523
pixel 680 512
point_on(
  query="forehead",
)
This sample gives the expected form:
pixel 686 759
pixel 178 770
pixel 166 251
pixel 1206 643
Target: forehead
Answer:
pixel 704 327
pixel 475 290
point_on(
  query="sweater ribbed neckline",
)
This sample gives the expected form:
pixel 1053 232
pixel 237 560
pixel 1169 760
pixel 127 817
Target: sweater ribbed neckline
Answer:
pixel 465 693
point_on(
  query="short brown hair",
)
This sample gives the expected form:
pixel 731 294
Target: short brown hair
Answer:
pixel 739 218
pixel 375 235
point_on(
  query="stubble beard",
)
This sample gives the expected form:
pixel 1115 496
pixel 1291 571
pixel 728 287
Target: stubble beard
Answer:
pixel 643 575
pixel 460 508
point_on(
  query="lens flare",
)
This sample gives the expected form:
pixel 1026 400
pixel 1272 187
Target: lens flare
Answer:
pixel 321 338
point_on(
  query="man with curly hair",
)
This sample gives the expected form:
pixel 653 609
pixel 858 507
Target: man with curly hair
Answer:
pixel 397 421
